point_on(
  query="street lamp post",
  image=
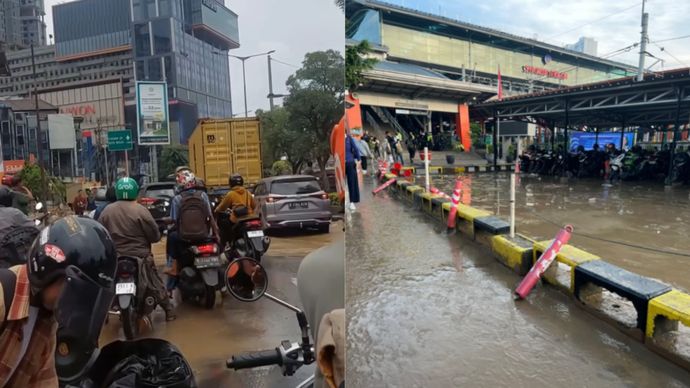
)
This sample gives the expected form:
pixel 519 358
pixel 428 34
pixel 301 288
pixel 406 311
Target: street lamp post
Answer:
pixel 244 74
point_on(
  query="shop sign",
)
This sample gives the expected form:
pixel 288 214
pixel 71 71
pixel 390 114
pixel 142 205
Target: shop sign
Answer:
pixel 544 72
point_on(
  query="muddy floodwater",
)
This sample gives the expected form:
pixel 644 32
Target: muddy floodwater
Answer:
pixel 429 310
pixel 630 215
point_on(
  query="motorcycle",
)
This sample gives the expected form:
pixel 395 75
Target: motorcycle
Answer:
pixel 199 269
pixel 681 167
pixel 199 273
pixel 290 356
pixel 132 309
pixel 246 239
pixel 616 166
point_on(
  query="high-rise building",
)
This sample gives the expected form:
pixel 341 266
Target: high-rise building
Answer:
pixel 584 45
pixel 22 24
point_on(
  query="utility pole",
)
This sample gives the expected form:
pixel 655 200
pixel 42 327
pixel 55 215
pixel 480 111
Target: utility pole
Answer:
pixel 643 44
pixel 270 82
pixel 39 142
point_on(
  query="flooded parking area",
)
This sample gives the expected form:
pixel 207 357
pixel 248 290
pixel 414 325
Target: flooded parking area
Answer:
pixel 640 226
pixel 426 309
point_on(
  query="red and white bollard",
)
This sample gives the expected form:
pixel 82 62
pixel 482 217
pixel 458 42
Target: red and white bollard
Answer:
pixel 454 209
pixel 545 260
pixel 383 186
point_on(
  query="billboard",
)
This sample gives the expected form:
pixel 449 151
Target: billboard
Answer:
pixel 61 133
pixel 153 118
pixel 587 139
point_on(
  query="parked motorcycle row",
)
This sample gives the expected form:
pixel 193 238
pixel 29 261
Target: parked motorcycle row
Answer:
pixel 610 164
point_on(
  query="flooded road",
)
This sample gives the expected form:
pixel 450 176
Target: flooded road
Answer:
pixel 207 338
pixel 628 214
pixel 427 310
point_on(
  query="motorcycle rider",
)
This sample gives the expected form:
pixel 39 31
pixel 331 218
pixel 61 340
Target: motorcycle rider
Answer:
pixel 175 243
pixel 133 230
pixel 242 204
pixel 10 217
pixel 70 267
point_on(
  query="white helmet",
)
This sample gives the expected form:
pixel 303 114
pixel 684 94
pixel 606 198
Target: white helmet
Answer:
pixel 186 179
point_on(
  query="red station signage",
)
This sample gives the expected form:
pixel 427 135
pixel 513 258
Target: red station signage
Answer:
pixel 544 72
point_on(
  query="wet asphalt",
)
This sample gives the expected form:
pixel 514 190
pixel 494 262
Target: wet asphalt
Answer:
pixel 428 310
pixel 207 338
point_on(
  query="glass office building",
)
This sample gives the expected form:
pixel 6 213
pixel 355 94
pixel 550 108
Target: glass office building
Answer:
pixel 185 43
pixel 182 42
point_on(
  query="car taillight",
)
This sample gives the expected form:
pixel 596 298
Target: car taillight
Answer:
pixel 147 201
pixel 273 199
pixel 321 196
pixel 205 249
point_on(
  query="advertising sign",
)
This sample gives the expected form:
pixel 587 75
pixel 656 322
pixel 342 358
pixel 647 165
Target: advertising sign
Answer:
pixel 153 123
pixel 587 139
pixel 61 133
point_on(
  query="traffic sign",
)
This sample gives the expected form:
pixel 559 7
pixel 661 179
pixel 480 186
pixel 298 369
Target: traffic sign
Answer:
pixel 120 140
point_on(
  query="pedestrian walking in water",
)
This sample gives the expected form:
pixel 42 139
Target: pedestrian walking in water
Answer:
pixel 351 158
pixel 411 149
pixel 364 153
pixel 399 152
pixel 377 148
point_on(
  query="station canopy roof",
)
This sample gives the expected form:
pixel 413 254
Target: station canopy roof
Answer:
pixel 416 82
pixel 657 100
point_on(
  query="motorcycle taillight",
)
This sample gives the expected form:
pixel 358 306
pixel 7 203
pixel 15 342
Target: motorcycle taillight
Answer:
pixel 255 223
pixel 205 249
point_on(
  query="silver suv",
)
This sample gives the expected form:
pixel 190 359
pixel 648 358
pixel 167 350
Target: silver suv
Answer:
pixel 293 201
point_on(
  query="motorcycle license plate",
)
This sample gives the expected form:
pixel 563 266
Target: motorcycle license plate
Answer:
pixel 301 205
pixel 255 233
pixel 205 262
pixel 125 288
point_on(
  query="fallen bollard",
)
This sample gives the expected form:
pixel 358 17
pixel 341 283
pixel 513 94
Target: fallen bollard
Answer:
pixel 545 260
pixel 452 215
pixel 383 186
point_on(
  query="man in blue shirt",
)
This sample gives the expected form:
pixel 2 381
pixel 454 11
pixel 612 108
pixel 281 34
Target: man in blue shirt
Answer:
pixel 352 156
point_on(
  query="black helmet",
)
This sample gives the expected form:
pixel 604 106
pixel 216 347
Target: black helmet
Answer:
pixel 236 180
pixel 72 241
pixel 81 250
pixel 5 196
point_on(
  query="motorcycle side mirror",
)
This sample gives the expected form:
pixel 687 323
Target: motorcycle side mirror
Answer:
pixel 39 206
pixel 246 280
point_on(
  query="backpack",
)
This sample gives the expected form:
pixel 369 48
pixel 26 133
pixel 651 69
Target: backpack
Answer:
pixel 194 221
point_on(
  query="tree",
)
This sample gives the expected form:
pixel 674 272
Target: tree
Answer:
pixel 280 139
pixel 356 63
pixel 171 158
pixel 315 103
pixel 340 4
pixel 31 178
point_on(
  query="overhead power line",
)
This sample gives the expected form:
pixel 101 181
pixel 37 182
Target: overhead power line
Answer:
pixel 596 20
pixel 284 63
pixel 670 39
pixel 664 50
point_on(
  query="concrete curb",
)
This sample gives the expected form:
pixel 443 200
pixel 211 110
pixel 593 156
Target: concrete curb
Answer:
pixel 660 308
pixel 446 170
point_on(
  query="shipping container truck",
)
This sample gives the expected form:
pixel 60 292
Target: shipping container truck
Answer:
pixel 221 147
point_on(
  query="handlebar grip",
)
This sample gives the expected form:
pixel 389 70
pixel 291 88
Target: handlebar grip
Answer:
pixel 255 359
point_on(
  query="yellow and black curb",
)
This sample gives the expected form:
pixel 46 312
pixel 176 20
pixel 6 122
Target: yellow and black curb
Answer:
pixel 576 272
pixel 448 170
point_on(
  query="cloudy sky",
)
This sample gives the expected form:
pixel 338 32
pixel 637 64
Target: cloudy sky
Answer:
pixel 614 24
pixel 292 28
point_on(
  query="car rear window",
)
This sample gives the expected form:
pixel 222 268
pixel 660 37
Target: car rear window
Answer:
pixel 295 187
pixel 160 191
